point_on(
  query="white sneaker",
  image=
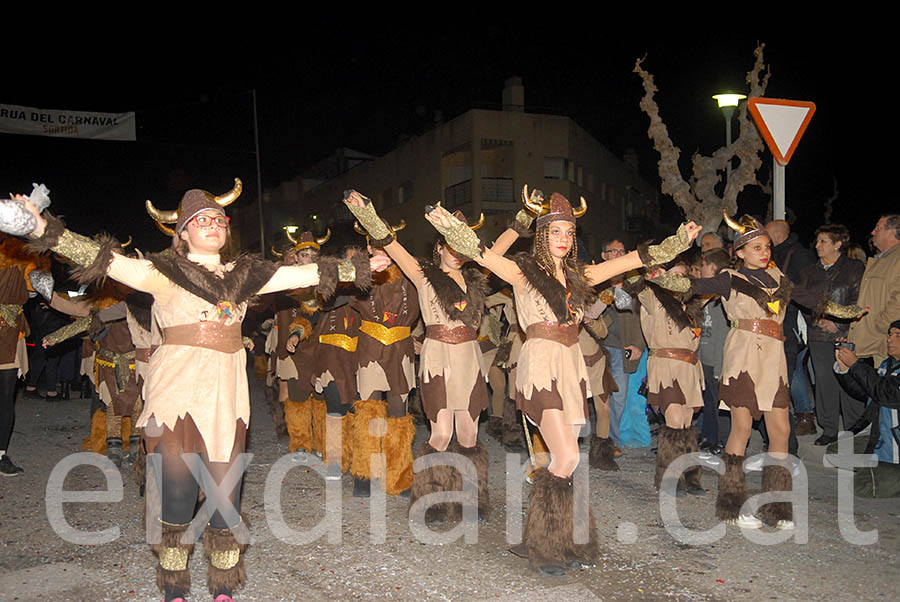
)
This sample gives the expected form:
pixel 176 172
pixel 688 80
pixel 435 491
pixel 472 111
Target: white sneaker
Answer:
pixel 755 464
pixel 848 463
pixel 710 460
pixel 785 525
pixel 745 521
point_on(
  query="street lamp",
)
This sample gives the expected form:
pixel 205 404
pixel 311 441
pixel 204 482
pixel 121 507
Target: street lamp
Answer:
pixel 728 102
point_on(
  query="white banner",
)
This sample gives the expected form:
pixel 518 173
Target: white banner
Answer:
pixel 66 124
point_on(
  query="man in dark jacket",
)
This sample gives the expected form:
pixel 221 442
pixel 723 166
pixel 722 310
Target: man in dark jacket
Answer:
pixel 882 387
pixel 840 276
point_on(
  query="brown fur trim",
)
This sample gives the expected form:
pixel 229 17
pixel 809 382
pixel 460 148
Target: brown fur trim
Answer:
pixel 52 231
pixel 139 304
pixel 298 417
pixel 670 448
pixel 643 251
pixel 683 314
pixel 364 443
pixel 478 456
pixel 560 299
pixel 512 434
pixel 363 271
pixel 277 411
pixel 140 466
pixel 434 480
pixel 691 476
pixel 732 488
pixel 758 294
pixel 97 270
pixel 494 427
pixel 449 293
pixel 223 540
pixel 776 478
pixel 96 440
pixel 391 274
pixel 549 525
pixel 171 538
pixel 602 455
pixel 328 276
pixel 247 275
pixel 397 446
pixel 319 411
pixel 520 229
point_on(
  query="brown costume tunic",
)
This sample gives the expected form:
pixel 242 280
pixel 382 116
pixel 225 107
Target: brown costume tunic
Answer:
pixel 670 379
pixel 13 294
pixel 595 358
pixel 453 375
pixel 337 336
pixel 296 368
pixel 115 365
pixel 385 353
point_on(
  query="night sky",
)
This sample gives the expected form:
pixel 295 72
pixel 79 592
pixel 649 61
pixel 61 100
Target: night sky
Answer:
pixel 339 87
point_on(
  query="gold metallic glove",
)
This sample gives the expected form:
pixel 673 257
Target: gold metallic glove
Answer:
pixel 846 312
pixel 670 248
pixel 9 314
pixel 346 271
pixel 672 282
pixel 524 218
pixel 368 219
pixel 458 235
pixel 69 330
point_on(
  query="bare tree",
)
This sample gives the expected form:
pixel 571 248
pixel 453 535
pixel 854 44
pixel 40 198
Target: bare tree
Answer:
pixel 699 200
pixel 829 203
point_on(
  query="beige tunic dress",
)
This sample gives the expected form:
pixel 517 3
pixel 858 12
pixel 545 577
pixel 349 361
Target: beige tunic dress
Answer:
pixel 602 382
pixel 196 398
pixel 754 369
pixel 452 375
pixel 670 380
pixel 550 375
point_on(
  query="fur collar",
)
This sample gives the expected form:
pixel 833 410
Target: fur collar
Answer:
pixel 139 305
pixel 449 294
pixel 740 284
pixel 682 309
pixel 387 276
pixel 561 300
pixel 243 277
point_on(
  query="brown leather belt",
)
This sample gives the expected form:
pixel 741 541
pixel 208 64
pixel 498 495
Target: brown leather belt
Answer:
pixel 769 328
pixel 142 354
pixel 567 334
pixel 209 335
pixel 675 353
pixel 454 336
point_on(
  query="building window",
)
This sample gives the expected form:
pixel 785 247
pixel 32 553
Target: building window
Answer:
pixel 571 170
pixel 457 195
pixel 555 168
pixel 497 189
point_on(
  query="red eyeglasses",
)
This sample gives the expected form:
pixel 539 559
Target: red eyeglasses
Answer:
pixel 205 221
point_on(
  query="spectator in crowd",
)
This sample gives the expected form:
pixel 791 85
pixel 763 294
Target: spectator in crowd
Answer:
pixel 625 344
pixel 879 291
pixel 841 277
pixel 881 387
pixel 856 251
pixel 711 240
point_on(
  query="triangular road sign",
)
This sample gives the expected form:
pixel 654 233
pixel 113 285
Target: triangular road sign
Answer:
pixel 781 123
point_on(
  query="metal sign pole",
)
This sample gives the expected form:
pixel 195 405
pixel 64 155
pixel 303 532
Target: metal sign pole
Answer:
pixel 778 207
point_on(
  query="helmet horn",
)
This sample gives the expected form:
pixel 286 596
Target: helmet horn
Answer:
pixel 733 224
pixel 581 209
pixel 229 197
pixel 324 239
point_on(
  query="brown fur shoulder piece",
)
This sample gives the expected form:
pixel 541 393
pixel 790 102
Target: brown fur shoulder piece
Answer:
pixel 782 293
pixel 93 273
pixel 363 271
pixel 683 313
pixel 449 294
pixel 247 275
pixel 579 292
pixel 139 305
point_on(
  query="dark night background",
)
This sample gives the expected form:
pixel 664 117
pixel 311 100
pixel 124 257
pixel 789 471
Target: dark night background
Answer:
pixel 338 87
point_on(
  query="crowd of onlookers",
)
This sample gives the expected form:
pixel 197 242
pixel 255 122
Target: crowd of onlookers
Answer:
pixel 845 375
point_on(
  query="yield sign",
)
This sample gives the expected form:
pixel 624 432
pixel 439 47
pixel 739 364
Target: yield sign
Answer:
pixel 781 123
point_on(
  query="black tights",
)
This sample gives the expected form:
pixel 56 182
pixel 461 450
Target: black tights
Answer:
pixel 333 402
pixel 396 404
pixel 179 489
pixel 8 379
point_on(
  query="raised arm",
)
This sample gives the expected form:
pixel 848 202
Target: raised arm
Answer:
pixel 381 236
pixel 325 274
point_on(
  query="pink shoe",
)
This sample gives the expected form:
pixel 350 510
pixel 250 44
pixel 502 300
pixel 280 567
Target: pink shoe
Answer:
pixel 223 598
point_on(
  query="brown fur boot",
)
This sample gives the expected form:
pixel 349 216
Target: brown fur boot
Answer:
pixel 478 456
pixel 365 443
pixel 732 488
pixel 346 442
pixel 776 478
pixel 513 437
pixel 601 456
pixel 277 410
pixel 397 446
pixel 319 411
pixel 96 440
pixel 172 571
pixel 670 447
pixel 433 480
pixel 298 416
pixel 494 428
pixel 548 534
pixel 690 480
pixel 226 571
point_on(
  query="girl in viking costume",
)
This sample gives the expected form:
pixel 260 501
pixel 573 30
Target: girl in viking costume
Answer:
pixel 671 325
pixel 754 381
pixel 552 385
pixel 21 272
pixel 453 375
pixel 196 395
pixel 385 373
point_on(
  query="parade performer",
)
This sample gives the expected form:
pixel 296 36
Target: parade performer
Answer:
pixel 754 381
pixel 552 385
pixel 196 394
pixel 452 375
pixel 385 374
pixel 601 456
pixel 21 271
